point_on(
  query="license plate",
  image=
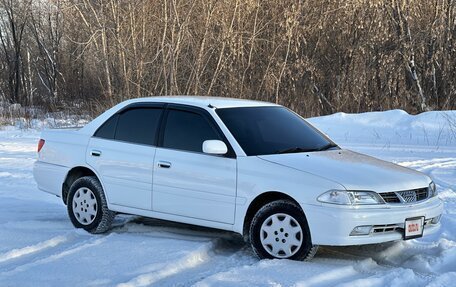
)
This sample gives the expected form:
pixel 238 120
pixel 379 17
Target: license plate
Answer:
pixel 414 227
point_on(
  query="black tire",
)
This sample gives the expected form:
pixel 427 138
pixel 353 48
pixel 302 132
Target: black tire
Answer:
pixel 103 219
pixel 305 252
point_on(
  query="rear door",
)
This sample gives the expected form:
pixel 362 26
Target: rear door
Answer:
pixel 122 151
pixel 188 182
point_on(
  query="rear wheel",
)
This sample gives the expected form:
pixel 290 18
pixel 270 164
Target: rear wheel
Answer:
pixel 87 206
pixel 279 230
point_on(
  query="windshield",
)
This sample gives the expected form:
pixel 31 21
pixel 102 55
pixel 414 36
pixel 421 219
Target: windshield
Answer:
pixel 272 130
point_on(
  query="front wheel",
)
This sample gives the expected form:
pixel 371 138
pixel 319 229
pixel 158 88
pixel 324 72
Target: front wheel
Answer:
pixel 279 230
pixel 87 205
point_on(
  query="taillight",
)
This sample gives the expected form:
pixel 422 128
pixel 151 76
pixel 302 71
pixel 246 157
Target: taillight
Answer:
pixel 40 144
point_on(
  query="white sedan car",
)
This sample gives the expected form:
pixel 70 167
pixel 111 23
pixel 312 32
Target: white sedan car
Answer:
pixel 251 167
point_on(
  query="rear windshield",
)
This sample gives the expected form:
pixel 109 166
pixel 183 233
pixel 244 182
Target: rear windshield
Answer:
pixel 272 130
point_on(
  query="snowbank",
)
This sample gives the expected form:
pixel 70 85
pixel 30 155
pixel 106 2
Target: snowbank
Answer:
pixel 395 127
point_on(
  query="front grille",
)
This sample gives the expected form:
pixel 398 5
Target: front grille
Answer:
pixel 405 196
pixel 422 194
pixel 390 197
pixel 408 195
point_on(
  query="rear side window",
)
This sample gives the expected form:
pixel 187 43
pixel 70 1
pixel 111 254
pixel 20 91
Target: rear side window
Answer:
pixel 187 131
pixel 138 125
pixel 108 129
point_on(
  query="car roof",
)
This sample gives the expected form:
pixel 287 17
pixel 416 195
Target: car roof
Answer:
pixel 199 101
pixel 195 101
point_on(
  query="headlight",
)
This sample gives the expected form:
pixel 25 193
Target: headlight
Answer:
pixel 365 197
pixel 432 189
pixel 335 197
pixel 344 197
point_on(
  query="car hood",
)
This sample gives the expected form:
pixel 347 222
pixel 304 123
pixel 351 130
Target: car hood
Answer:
pixel 353 170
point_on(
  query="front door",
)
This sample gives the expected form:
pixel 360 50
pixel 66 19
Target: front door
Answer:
pixel 186 181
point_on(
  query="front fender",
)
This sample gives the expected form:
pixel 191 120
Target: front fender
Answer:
pixel 257 176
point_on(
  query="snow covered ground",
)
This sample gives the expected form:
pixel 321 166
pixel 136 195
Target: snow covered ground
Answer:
pixel 40 247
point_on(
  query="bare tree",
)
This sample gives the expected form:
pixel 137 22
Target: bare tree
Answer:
pixel 46 25
pixel 15 15
pixel 315 56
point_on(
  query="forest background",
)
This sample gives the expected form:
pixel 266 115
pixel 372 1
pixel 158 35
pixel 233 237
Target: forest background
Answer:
pixel 314 56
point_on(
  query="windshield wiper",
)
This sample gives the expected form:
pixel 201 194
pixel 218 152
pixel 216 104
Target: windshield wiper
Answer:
pixel 327 146
pixel 300 149
pixel 293 150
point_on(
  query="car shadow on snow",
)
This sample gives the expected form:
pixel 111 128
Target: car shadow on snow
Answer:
pixel 356 252
pixel 224 242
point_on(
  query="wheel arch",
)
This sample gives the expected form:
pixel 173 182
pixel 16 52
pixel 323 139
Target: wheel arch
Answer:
pixel 72 175
pixel 257 203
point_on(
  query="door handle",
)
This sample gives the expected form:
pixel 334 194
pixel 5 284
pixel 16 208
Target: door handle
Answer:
pixel 164 164
pixel 95 153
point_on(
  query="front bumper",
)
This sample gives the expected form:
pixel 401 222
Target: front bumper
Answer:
pixel 332 224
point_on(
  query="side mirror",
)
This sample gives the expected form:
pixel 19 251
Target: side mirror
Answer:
pixel 214 147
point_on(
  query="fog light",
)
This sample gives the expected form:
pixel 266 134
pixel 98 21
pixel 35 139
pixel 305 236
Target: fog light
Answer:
pixel 361 230
pixel 435 220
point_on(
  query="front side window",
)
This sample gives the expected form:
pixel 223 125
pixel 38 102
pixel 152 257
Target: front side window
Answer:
pixel 138 125
pixel 187 131
pixel 272 130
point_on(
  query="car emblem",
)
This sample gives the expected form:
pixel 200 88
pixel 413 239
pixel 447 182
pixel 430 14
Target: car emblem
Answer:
pixel 407 196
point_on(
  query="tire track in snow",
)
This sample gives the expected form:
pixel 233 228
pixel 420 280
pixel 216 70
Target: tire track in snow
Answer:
pixel 219 251
pixel 39 247
pixel 377 260
pixel 56 253
pixel 274 272
pixel 318 272
pixel 209 259
pixel 224 255
pixel 193 259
